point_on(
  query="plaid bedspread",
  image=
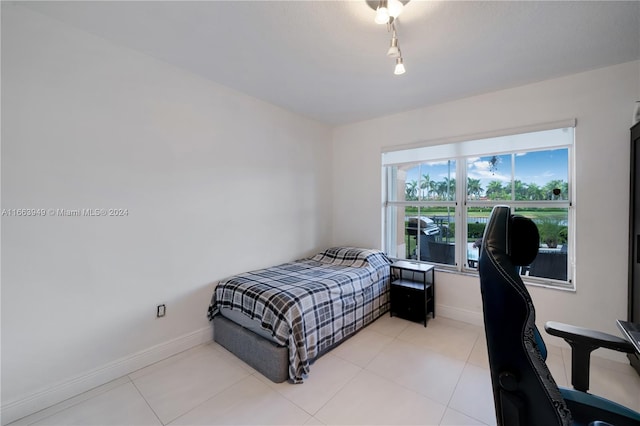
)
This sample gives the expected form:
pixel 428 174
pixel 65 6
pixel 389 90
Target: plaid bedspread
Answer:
pixel 311 304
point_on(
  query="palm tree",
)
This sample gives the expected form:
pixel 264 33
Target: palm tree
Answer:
pixel 433 187
pixel 495 191
pixel 534 192
pixel 426 184
pixel 411 191
pixel 450 188
pixel 520 190
pixel 447 189
pixel 474 188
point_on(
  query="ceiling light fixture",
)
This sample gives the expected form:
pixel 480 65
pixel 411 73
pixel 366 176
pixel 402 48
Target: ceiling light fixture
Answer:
pixel 387 12
pixel 394 50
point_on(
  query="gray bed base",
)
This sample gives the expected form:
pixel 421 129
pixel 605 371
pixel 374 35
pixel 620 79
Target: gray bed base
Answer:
pixel 270 359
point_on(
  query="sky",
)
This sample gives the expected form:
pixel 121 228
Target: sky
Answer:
pixel 538 167
pixel 544 157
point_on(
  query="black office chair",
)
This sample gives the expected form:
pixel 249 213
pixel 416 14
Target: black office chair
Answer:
pixel 524 391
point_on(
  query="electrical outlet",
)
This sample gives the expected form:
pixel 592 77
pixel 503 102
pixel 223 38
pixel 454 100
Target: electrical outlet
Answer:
pixel 161 311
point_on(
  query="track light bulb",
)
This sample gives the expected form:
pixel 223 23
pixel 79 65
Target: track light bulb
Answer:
pixel 394 50
pixel 394 8
pixel 382 15
pixel 399 67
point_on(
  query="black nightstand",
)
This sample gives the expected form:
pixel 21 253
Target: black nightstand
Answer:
pixel 413 290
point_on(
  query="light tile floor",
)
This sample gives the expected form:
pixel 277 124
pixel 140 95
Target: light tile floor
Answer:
pixel 392 372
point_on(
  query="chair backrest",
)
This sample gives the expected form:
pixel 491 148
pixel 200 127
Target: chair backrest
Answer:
pixel 524 390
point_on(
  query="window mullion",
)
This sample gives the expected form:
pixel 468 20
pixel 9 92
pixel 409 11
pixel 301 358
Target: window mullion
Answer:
pixel 513 177
pixel 461 214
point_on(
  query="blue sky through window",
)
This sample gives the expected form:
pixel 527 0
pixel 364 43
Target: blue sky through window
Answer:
pixel 539 167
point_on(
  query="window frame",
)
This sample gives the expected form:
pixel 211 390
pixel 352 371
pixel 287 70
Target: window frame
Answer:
pixel 462 203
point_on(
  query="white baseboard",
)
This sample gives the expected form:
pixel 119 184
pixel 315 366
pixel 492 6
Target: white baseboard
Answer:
pixel 459 314
pixel 21 407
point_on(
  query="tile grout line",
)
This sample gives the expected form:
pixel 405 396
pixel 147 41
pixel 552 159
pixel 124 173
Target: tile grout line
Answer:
pixel 248 374
pixel 332 396
pixel 179 357
pixel 71 402
pixel 146 402
pixel 404 386
pixel 453 393
pixel 466 363
pixel 360 368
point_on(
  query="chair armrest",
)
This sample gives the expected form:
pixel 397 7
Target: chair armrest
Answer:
pixel 583 341
pixel 589 337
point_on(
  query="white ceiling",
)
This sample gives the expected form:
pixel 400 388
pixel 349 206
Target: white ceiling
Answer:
pixel 327 59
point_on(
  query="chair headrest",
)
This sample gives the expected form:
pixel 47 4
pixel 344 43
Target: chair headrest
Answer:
pixel 523 240
pixel 510 235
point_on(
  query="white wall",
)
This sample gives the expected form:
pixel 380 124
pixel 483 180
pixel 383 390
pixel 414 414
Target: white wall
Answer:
pixel 601 101
pixel 215 183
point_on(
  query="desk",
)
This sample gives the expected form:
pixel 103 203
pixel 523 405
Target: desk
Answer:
pixel 631 332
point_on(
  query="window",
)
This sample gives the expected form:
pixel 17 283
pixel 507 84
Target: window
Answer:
pixel 429 191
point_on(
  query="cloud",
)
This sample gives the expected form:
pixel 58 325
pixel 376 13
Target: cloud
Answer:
pixel 480 165
pixel 482 170
pixel 488 175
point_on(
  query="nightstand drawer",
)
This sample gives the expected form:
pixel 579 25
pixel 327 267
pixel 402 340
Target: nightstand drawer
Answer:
pixel 408 303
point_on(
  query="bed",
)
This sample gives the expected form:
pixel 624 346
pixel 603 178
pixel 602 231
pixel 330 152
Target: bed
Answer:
pixel 282 318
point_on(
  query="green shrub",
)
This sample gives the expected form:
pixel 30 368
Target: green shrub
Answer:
pixel 476 230
pixel 552 233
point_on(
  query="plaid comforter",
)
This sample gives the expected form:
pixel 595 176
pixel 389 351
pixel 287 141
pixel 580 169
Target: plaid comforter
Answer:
pixel 311 304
